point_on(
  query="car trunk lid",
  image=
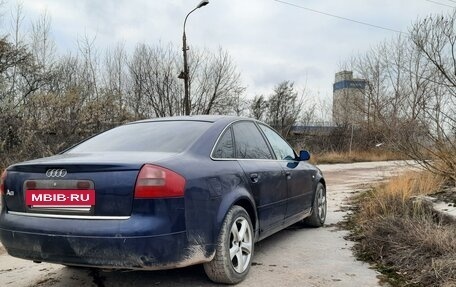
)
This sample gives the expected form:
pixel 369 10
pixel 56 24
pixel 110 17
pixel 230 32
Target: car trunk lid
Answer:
pixel 98 184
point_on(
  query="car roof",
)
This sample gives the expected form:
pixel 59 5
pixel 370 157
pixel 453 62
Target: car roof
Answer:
pixel 203 118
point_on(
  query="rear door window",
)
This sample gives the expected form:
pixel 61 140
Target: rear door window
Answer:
pixel 225 146
pixel 249 142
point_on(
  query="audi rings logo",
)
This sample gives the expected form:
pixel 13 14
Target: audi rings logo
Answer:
pixel 56 172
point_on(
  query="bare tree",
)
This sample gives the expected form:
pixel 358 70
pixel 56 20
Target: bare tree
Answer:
pixel 50 101
pixel 410 100
pixel 435 38
pixel 284 107
pixel 90 65
pixel 19 74
pixel 116 82
pixel 137 69
pixel 218 85
pixel 156 90
pixel 214 82
pixel 42 44
pixel 308 113
pixel 258 107
pixel 17 18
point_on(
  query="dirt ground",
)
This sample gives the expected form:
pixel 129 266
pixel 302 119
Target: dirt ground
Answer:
pixel 293 257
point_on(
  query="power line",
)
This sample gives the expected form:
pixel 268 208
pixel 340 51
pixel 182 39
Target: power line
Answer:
pixel 442 4
pixel 340 17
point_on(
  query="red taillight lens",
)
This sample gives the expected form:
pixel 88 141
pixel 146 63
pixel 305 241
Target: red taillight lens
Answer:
pixel 2 183
pixel 158 182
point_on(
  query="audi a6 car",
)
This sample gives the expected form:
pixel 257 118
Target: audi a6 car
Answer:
pixel 161 193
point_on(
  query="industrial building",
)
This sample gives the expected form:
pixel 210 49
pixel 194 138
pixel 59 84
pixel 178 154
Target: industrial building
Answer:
pixel 348 99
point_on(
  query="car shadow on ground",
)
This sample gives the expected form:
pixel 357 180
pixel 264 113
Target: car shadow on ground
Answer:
pixel 188 276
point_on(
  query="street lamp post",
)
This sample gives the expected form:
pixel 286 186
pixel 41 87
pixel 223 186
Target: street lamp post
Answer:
pixel 184 75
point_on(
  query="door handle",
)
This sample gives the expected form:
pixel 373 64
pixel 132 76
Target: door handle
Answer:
pixel 254 177
pixel 288 174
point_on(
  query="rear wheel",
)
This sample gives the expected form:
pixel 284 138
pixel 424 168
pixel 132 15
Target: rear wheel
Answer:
pixel 234 252
pixel 319 208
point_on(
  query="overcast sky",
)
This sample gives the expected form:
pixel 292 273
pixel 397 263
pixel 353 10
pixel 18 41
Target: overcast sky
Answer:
pixel 269 41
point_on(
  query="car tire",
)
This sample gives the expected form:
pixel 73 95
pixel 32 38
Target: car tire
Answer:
pixel 319 208
pixel 234 252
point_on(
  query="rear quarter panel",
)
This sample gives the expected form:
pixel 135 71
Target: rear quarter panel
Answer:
pixel 212 187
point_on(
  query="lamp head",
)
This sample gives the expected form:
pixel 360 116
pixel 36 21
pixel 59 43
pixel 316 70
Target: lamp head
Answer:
pixel 202 3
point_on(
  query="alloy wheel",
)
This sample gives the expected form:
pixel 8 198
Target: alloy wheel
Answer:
pixel 321 204
pixel 241 243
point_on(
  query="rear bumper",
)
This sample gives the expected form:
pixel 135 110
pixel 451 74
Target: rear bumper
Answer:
pixel 104 244
pixel 156 252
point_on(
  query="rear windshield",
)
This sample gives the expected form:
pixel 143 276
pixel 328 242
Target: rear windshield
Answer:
pixel 166 136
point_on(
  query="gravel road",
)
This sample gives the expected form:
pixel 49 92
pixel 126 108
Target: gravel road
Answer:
pixel 293 257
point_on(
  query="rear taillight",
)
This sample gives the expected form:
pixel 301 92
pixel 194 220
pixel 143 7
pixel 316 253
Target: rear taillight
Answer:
pixel 158 182
pixel 2 183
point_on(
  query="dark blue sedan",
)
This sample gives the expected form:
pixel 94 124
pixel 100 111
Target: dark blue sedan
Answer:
pixel 162 193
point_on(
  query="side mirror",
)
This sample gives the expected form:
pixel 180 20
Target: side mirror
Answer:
pixel 304 155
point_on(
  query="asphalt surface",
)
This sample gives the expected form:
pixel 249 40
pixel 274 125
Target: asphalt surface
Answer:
pixel 293 257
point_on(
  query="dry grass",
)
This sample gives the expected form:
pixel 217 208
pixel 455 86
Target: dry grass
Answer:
pixel 416 251
pixel 355 156
pixel 403 238
pixel 394 197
